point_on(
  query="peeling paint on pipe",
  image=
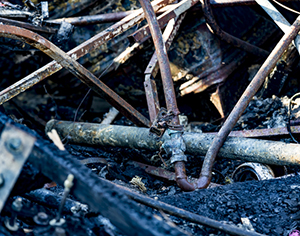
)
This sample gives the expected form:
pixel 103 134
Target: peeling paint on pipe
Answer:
pixel 248 149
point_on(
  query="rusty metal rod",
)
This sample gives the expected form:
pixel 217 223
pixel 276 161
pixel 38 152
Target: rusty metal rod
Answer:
pixel 77 52
pixel 29 26
pixel 75 68
pixel 152 68
pixel 168 86
pixel 163 59
pixel 248 149
pixel 210 19
pixel 95 19
pixel 100 18
pixel 163 173
pixel 205 176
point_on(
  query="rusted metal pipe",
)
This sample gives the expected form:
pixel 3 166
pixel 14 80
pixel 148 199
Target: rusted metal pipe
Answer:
pixel 243 102
pixel 163 173
pixel 163 59
pixel 43 29
pixel 78 52
pixel 101 18
pixel 75 68
pixel 169 92
pixel 152 68
pixel 248 149
pixel 95 19
pixel 210 19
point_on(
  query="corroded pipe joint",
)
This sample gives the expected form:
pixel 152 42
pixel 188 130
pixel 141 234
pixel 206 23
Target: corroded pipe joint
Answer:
pixel 175 146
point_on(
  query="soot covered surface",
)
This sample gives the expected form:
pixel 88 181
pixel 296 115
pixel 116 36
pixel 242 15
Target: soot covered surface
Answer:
pixel 272 206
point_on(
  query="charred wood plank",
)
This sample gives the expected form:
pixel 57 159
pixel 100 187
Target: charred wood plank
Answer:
pixel 101 196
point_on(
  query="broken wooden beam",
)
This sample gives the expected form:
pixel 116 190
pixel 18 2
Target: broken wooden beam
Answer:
pixel 101 196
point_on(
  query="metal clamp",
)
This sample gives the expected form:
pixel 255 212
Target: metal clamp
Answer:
pixel 175 146
pixel 163 122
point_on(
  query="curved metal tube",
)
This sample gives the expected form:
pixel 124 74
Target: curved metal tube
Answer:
pixel 75 68
pixel 168 86
pixel 269 64
pixel 215 28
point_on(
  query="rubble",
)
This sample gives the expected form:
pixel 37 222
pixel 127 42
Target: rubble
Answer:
pixel 135 113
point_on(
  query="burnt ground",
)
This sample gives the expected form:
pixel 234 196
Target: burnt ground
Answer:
pixel 272 206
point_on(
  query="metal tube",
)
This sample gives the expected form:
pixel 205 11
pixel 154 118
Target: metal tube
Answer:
pixel 152 68
pixel 75 68
pixel 168 86
pixel 29 26
pixel 209 16
pixel 78 52
pixel 243 102
pixel 162 57
pixel 248 149
pixel 95 19
pixel 101 18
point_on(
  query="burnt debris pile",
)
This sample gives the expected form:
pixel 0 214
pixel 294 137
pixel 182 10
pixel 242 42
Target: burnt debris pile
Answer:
pixel 149 117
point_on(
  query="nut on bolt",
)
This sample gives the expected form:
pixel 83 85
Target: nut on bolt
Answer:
pixel 17 204
pixel 41 218
pixel 14 144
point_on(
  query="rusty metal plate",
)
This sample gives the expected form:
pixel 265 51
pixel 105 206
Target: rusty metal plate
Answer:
pixel 15 147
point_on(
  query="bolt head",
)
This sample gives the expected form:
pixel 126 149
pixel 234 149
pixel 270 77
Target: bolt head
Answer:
pixel 14 144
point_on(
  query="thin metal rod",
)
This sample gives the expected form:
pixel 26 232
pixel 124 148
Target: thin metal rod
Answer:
pixel 152 68
pixel 29 26
pixel 75 68
pixel 269 64
pixel 78 52
pixel 167 81
pixel 163 59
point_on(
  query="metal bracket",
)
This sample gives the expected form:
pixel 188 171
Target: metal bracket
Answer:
pixel 163 122
pixel 15 147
